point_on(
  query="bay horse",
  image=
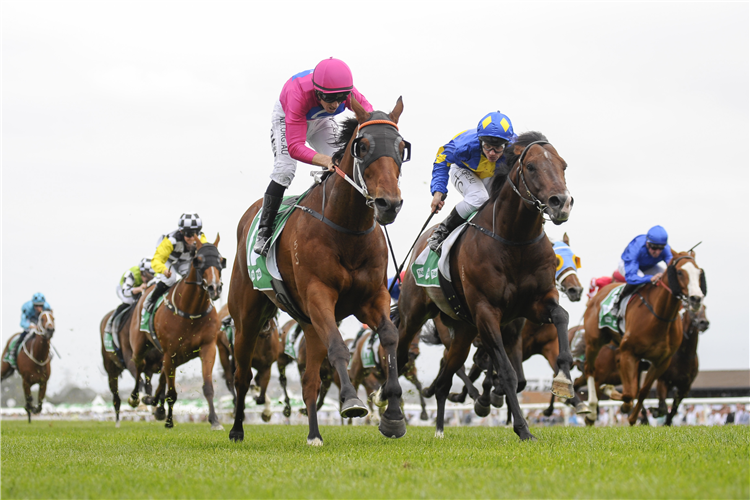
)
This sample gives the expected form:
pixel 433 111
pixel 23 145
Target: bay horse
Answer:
pixel 267 352
pixel 332 269
pixel 502 268
pixel 114 366
pixel 373 378
pixel 33 361
pixel 653 329
pixel 684 365
pixel 186 326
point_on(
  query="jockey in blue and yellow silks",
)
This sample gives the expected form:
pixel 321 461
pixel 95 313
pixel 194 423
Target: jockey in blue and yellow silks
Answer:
pixel 468 160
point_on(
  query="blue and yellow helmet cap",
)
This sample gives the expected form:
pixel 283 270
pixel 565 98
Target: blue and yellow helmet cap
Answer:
pixel 496 124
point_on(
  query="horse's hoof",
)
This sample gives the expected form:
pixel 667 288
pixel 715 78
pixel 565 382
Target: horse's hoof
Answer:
pixel 625 408
pixel 562 387
pixel 217 427
pixel 428 392
pixel 528 437
pixel 315 441
pixel 149 400
pixel 117 424
pixel 160 414
pixel 37 410
pixel 266 416
pixel 287 412
pixel 169 424
pixel 439 434
pixel 582 408
pixel 236 436
pixel 480 409
pixel 590 418
pixel 303 411
pixel 133 402
pixel 353 408
pixel 423 416
pixel 392 428
pixel 497 400
pixel 457 397
pixel 375 420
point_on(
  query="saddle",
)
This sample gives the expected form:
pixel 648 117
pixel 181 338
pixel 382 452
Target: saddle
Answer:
pixel 147 321
pixel 614 319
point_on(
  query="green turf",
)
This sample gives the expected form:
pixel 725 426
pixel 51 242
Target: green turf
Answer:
pixel 144 460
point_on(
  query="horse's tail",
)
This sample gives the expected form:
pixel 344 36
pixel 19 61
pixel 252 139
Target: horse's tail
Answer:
pixel 395 315
pixel 430 334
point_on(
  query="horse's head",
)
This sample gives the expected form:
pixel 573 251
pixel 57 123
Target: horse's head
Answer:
pixel 208 264
pixel 377 151
pixel 539 176
pixel 698 321
pixel 686 280
pixel 566 273
pixel 46 324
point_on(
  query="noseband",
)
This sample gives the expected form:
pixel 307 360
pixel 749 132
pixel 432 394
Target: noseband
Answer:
pixel 211 258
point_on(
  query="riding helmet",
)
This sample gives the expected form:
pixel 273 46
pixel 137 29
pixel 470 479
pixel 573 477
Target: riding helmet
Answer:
pixel 657 235
pixel 145 266
pixel 332 75
pixel 38 299
pixel 495 129
pixel 190 221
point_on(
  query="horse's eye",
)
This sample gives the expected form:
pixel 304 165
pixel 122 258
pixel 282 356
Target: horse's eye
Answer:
pixel 530 167
pixel 680 273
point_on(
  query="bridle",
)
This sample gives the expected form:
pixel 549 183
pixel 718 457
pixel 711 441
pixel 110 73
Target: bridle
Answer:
pixel 531 199
pixel 211 258
pixel 42 332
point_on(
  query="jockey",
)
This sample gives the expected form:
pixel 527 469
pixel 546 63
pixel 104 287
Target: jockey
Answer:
pixel 30 312
pixel 132 283
pixel 305 112
pixel 396 290
pixel 644 260
pixel 174 254
pixel 469 161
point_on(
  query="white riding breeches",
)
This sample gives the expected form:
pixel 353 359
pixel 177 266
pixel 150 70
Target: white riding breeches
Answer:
pixel 124 298
pixel 178 269
pixel 471 187
pixel 320 136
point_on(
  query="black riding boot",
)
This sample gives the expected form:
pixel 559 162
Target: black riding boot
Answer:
pixel 18 345
pixel 271 205
pixel 628 289
pixel 443 230
pixel 159 290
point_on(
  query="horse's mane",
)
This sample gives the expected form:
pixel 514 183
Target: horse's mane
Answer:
pixel 347 129
pixel 503 169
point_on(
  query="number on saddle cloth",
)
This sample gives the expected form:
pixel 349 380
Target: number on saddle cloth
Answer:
pixel 611 318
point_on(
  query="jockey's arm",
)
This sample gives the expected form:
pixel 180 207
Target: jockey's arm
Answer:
pixel 159 260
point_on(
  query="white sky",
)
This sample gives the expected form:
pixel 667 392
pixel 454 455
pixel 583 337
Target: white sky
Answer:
pixel 119 116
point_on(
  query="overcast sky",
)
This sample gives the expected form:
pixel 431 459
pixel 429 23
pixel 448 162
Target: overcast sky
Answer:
pixel 119 116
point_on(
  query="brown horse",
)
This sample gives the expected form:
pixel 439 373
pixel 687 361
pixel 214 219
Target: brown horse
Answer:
pixel 114 366
pixel 332 268
pixel 502 267
pixel 653 330
pixel 267 351
pixel 33 360
pixel 186 326
pixel 684 365
pixel 373 378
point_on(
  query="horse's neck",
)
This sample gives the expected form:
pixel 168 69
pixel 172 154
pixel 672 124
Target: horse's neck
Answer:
pixel 344 205
pixel 190 298
pixel 664 303
pixel 39 347
pixel 690 339
pixel 512 219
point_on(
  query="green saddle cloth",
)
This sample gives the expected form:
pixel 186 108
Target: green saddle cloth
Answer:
pixel 109 344
pixel 607 317
pixel 425 269
pixel 228 329
pixel 9 357
pixel 257 266
pixel 147 325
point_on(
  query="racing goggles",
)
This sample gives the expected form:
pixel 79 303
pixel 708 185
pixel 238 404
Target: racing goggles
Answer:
pixel 335 97
pixel 654 246
pixel 493 149
pixel 189 233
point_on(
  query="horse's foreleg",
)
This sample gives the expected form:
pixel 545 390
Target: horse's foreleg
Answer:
pixel 208 358
pixel 114 389
pixel 562 385
pixel 661 393
pixel 680 394
pixel 262 378
pixel 325 384
pixel 316 353
pixel 168 369
pixel 27 395
pixel 42 392
pixel 629 379
pixel 654 372
pixel 282 380
pixel 411 376
pixel 159 412
pixel 392 422
pixel 454 359
pixel 488 323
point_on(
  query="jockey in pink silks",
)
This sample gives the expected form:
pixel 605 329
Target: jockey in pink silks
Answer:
pixel 305 112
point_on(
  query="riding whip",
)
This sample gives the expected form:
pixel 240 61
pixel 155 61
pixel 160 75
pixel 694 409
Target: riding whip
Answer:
pixel 398 270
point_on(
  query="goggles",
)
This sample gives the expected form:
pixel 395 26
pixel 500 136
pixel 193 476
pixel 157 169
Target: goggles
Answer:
pixel 336 97
pixel 189 233
pixel 493 149
pixel 654 246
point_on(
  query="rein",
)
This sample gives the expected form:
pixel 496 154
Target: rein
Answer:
pixel 651 310
pixel 329 222
pixel 499 238
pixel 173 308
pixel 532 199
pixel 31 356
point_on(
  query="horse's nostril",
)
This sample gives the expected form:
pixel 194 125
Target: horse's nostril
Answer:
pixel 381 203
pixel 554 201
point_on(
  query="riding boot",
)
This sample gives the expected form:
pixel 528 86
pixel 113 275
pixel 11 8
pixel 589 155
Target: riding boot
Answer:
pixel 443 230
pixel 19 344
pixel 159 290
pixel 109 328
pixel 628 289
pixel 271 205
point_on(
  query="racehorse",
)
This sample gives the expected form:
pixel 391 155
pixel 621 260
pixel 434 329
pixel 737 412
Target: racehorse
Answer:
pixel 373 378
pixel 33 360
pixel 113 365
pixel 502 267
pixel 185 328
pixel 332 269
pixel 684 365
pixel 653 329
pixel 267 351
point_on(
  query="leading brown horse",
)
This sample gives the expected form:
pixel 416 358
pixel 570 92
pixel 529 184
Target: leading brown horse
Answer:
pixel 653 329
pixel 33 361
pixel 333 267
pixel 186 326
pixel 502 267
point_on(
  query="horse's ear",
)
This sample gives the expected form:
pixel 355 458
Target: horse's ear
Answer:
pixel 517 149
pixel 218 237
pixel 359 111
pixel 565 239
pixel 197 261
pixel 198 245
pixel 397 110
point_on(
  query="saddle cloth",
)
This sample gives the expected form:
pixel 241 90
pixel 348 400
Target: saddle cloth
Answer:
pixel 227 326
pixel 369 354
pixel 291 348
pixel 614 319
pixel 10 353
pixel 426 267
pixel 261 269
pixel 111 340
pixel 147 323
pixel 578 346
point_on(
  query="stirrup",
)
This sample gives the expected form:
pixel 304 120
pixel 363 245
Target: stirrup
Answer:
pixel 262 242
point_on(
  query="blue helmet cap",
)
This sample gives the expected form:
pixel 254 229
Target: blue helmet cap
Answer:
pixel 496 125
pixel 38 299
pixel 657 235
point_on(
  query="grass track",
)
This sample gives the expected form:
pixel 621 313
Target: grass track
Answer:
pixel 144 460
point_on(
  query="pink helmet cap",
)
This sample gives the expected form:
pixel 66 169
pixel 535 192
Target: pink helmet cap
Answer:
pixel 332 75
